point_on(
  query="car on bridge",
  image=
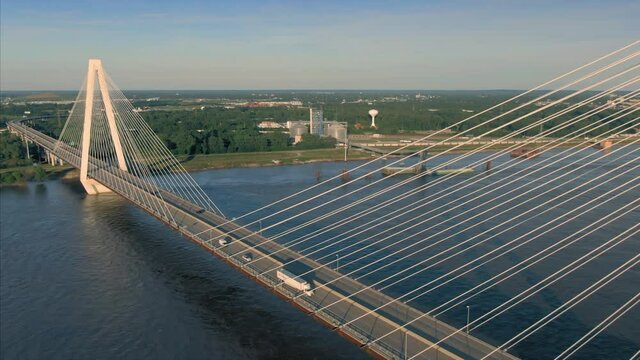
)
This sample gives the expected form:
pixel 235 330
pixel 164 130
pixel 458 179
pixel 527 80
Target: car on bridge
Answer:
pixel 247 257
pixel 224 241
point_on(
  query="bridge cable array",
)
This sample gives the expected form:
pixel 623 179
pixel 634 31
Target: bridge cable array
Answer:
pixel 360 200
pixel 556 102
pixel 444 130
pixel 625 149
pixel 408 239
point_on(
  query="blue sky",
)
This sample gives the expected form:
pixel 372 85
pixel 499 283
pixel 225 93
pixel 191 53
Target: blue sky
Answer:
pixel 307 45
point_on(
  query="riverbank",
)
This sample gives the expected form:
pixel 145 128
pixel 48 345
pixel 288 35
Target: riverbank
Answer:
pixel 21 175
pixel 18 176
pixel 272 158
pixel 294 157
pixel 251 159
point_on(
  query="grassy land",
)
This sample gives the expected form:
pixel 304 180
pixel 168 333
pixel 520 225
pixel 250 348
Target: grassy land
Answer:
pixel 254 159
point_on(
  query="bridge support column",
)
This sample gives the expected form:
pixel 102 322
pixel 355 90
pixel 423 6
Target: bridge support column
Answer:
pixel 96 71
pixel 52 159
pixel 93 187
pixel 26 144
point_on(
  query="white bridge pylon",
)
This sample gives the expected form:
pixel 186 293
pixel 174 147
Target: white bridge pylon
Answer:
pixel 117 150
pixel 96 72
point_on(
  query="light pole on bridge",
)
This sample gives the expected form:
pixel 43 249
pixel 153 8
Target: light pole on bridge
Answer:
pixel 468 318
pixel 406 347
pixel 436 331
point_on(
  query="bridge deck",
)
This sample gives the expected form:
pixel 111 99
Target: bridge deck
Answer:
pixel 201 227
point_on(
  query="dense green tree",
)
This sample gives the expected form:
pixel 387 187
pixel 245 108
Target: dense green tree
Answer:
pixel 39 174
pixel 12 177
pixel 13 151
pixel 206 122
pixel 310 141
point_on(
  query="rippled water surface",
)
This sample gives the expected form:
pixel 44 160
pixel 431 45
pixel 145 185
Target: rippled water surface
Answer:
pixel 95 277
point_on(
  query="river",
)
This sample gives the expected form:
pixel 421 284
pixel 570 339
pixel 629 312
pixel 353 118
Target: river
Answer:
pixel 94 277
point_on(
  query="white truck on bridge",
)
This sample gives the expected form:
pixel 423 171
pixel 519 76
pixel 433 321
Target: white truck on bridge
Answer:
pixel 294 281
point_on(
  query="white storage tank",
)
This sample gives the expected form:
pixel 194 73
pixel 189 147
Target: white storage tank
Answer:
pixel 297 130
pixel 336 130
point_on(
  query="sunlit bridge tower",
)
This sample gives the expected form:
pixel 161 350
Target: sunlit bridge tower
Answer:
pixel 117 151
pixel 97 104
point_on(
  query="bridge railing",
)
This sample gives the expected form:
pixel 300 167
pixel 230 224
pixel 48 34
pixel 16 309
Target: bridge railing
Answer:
pixel 312 306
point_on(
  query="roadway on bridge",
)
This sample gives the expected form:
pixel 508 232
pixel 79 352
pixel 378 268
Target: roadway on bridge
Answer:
pixel 190 220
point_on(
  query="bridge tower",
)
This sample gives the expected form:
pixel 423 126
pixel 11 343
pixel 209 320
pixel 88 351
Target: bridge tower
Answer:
pixel 95 73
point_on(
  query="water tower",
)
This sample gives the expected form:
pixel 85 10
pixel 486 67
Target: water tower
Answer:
pixel 373 113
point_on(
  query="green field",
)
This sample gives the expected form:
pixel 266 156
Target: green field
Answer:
pixel 254 159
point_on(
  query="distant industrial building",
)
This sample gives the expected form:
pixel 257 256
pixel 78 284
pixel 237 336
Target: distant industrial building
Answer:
pixel 336 129
pixel 258 104
pixel 297 129
pixel 270 125
pixel 622 103
pixel 316 118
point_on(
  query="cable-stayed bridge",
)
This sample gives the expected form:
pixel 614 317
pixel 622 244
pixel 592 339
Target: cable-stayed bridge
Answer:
pixel 116 151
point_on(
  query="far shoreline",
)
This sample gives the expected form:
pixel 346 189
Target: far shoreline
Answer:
pixel 204 162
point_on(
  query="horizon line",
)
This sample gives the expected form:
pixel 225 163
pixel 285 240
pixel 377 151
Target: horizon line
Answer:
pixel 291 89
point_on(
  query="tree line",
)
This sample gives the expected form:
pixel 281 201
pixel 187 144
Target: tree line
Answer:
pixel 211 131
